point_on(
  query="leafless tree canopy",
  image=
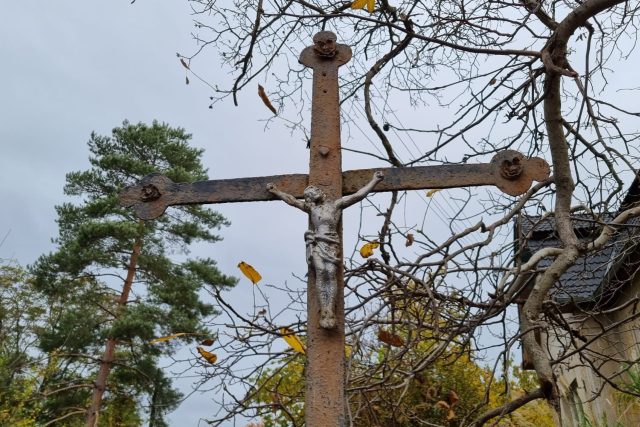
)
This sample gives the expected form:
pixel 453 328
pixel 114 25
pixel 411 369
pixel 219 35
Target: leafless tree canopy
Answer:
pixel 451 82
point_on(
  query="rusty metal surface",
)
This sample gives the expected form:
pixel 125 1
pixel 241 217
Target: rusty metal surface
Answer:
pixel 515 173
pixel 325 371
pixel 325 165
pixel 203 192
pixel 155 192
pixel 509 170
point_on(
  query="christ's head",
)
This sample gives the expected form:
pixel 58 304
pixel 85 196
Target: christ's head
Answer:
pixel 324 44
pixel 313 194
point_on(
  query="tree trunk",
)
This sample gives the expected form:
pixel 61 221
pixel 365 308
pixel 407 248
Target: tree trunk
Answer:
pixel 108 356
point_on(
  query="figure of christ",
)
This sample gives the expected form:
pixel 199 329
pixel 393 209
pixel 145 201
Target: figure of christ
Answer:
pixel 323 241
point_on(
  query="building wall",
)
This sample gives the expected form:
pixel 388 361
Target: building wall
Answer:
pixel 585 395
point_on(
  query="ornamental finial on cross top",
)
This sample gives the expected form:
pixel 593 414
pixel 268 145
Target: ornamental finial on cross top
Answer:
pixel 325 50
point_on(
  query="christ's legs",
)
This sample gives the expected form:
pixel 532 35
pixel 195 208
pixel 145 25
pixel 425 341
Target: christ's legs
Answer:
pixel 326 284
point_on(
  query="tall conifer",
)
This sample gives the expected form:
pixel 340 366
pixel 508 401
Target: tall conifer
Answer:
pixel 120 282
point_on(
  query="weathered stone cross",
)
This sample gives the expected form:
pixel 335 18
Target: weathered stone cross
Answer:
pixel 326 191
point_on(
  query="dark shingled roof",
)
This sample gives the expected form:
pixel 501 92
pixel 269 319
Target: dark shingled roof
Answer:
pixel 588 280
pixel 582 280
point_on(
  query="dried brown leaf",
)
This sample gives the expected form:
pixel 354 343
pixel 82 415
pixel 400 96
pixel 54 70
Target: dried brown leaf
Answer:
pixel 432 392
pixel 389 338
pixel 409 241
pixel 265 99
pixel 453 398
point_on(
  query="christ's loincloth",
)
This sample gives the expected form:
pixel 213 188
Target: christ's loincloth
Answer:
pixel 326 246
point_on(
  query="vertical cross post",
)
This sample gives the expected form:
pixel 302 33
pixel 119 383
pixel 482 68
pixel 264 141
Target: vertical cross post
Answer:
pixel 325 403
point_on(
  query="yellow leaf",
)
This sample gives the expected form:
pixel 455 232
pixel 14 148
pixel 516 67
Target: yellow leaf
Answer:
pixel 451 415
pixel 360 4
pixel 209 357
pixel 293 341
pixel 430 193
pixel 442 405
pixel 250 272
pixel 367 249
pixel 167 338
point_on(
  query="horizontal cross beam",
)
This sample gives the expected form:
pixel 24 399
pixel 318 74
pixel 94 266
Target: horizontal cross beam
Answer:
pixel 509 170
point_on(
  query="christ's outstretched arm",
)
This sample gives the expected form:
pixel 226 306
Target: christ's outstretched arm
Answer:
pixel 349 200
pixel 286 197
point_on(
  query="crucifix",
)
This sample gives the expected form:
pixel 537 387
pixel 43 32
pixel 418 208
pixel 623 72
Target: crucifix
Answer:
pixel 323 194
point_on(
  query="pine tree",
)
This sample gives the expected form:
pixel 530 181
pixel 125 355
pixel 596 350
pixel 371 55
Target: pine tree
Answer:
pixel 118 282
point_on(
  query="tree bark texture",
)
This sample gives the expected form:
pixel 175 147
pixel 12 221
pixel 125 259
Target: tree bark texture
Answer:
pixel 108 357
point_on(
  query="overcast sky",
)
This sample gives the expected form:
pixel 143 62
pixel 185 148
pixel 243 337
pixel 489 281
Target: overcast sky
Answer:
pixel 73 67
pixel 70 68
